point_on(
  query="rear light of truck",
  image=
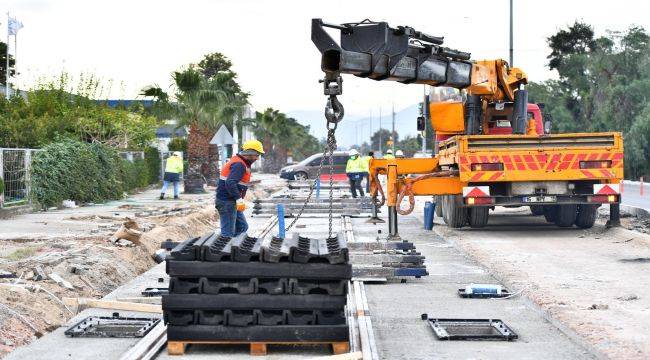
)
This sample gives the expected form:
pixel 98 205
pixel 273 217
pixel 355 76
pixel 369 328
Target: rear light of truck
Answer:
pixel 602 164
pixel 602 198
pixel 479 201
pixel 487 167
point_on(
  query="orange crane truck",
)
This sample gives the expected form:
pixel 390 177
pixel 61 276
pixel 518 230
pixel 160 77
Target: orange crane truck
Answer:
pixel 493 147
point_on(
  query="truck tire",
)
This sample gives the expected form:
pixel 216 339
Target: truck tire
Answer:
pixel 444 205
pixel 586 216
pixel 438 206
pixel 478 216
pixel 537 210
pixel 456 214
pixel 566 215
pixel 550 213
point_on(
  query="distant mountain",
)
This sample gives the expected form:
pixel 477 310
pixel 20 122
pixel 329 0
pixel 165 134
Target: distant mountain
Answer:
pixel 356 130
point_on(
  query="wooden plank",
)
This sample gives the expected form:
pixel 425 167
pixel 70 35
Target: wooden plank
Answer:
pixel 340 348
pixel 258 349
pixel 111 304
pixel 176 347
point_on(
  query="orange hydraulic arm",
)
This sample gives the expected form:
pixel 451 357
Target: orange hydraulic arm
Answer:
pixel 431 181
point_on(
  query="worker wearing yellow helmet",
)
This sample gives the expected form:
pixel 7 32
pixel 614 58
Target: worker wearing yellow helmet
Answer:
pixel 232 186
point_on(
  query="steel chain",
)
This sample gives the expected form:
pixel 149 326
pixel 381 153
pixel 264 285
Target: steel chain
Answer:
pixel 327 153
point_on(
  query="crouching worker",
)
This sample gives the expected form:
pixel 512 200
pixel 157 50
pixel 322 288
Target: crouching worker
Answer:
pixel 355 169
pixel 231 189
pixel 173 171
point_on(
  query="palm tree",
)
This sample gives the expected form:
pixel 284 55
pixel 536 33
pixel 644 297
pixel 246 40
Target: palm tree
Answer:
pixel 202 105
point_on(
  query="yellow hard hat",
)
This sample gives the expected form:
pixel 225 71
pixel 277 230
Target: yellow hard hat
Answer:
pixel 253 145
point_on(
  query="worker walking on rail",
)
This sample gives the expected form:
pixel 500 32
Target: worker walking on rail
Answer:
pixel 355 169
pixel 232 186
pixel 367 158
pixel 173 171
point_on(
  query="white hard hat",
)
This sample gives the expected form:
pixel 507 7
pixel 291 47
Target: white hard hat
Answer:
pixel 399 153
pixel 389 151
pixel 178 153
pixel 353 152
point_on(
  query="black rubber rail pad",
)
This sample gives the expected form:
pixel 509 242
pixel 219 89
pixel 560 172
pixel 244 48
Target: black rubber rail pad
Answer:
pixel 299 249
pixel 258 301
pixel 259 333
pixel 190 249
pixel 275 249
pixel 245 248
pixel 306 287
pixel 216 248
pixel 234 270
pixel 184 317
pixel 185 285
pixel 254 317
pixel 228 286
pixel 272 286
pixel 270 317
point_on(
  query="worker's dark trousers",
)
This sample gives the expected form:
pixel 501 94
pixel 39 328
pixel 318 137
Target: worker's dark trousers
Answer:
pixel 355 184
pixel 233 222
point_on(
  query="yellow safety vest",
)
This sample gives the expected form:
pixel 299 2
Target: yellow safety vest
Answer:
pixel 366 160
pixel 355 165
pixel 389 156
pixel 174 165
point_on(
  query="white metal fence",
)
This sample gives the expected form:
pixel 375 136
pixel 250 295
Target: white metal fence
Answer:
pixel 15 167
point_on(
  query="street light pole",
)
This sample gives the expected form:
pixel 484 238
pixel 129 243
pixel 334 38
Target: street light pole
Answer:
pixel 512 63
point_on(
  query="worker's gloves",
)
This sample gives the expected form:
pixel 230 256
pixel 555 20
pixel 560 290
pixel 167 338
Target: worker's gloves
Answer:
pixel 241 205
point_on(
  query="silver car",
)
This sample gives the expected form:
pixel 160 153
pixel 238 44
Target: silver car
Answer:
pixel 308 168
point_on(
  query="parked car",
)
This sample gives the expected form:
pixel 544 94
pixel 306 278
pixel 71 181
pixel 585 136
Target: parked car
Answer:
pixel 307 168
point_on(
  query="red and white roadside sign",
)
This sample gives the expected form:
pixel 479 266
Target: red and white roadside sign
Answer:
pixel 607 189
pixel 476 191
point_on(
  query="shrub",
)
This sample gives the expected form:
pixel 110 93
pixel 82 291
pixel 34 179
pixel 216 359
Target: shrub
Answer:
pixel 152 163
pixel 83 172
pixel 2 187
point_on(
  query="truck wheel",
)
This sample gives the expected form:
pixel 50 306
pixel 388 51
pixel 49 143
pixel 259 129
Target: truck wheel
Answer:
pixel 550 213
pixel 537 210
pixel 444 204
pixel 586 216
pixel 478 216
pixel 566 215
pixel 457 217
pixel 438 200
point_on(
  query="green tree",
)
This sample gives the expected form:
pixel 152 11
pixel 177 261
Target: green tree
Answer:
pixel 603 86
pixel 3 64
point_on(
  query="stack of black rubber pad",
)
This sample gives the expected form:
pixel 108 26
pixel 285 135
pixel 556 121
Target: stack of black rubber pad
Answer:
pixel 249 289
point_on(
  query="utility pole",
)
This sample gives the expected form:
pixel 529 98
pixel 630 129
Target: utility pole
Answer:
pixel 7 68
pixel 512 63
pixel 370 131
pixel 380 140
pixel 393 132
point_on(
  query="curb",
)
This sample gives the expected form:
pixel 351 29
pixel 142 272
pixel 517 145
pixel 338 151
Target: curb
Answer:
pixel 635 211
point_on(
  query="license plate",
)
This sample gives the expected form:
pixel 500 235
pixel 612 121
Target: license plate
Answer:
pixel 539 199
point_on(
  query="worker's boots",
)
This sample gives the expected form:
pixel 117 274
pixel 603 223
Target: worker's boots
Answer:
pixel 162 196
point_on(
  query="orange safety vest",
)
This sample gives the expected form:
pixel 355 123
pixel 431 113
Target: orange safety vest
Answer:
pixel 225 171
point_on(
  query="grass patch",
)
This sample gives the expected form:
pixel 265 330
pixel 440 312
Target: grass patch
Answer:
pixel 22 253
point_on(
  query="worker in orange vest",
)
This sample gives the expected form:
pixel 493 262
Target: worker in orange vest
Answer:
pixel 231 188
